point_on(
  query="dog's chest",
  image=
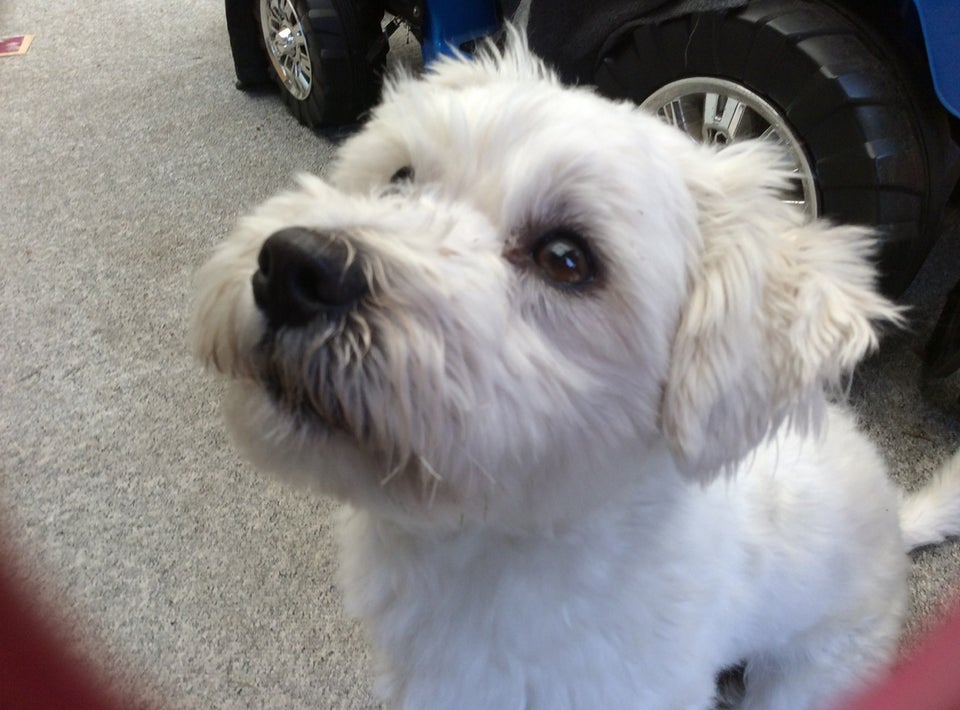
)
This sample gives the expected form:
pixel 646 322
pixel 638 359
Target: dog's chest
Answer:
pixel 576 620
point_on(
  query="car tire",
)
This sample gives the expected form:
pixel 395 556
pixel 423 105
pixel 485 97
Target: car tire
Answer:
pixel 869 133
pixel 941 356
pixel 327 56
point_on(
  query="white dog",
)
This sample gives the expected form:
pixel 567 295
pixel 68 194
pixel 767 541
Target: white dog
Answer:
pixel 568 369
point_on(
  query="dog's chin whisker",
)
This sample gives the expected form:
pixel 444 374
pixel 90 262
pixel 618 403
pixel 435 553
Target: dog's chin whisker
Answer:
pixel 349 258
pixel 428 469
pixel 363 333
pixel 350 351
pixel 430 480
pixel 483 472
pixel 434 485
pixel 355 422
pixel 320 342
pixel 281 433
pixel 212 361
pixel 394 472
pixel 375 272
pixel 227 362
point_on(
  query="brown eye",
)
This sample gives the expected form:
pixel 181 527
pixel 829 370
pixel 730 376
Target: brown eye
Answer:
pixel 564 258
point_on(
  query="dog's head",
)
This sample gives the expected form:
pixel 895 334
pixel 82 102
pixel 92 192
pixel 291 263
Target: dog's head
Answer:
pixel 512 296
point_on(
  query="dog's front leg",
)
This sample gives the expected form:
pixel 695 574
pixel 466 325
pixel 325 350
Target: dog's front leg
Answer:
pixel 821 669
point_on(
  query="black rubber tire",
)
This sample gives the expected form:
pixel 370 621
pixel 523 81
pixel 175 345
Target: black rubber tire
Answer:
pixel 347 52
pixel 246 45
pixel 871 132
pixel 941 356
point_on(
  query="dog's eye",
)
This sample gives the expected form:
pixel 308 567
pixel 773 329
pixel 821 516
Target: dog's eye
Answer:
pixel 564 258
pixel 404 174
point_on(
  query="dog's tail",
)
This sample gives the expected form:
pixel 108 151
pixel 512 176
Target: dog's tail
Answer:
pixel 932 514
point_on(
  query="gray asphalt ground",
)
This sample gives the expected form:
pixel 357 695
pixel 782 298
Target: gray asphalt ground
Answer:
pixel 126 155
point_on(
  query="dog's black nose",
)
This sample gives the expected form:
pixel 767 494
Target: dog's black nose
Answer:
pixel 304 274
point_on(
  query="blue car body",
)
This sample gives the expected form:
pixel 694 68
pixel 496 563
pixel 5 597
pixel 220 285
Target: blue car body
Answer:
pixel 450 24
pixel 940 23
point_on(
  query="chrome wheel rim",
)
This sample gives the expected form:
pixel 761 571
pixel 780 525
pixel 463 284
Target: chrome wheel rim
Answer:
pixel 287 46
pixel 719 112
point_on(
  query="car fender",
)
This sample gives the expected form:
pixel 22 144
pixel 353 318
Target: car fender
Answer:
pixel 940 24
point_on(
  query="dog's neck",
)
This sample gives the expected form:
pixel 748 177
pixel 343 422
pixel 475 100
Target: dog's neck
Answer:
pixel 421 591
pixel 548 502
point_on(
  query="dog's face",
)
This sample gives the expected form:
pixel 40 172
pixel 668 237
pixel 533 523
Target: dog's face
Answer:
pixel 510 293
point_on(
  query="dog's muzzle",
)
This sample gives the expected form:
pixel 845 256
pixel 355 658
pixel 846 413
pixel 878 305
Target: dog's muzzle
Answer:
pixel 304 274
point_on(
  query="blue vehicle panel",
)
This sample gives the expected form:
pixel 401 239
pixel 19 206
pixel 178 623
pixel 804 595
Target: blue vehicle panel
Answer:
pixel 940 21
pixel 448 24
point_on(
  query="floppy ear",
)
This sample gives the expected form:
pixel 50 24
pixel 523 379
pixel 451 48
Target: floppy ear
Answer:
pixel 778 308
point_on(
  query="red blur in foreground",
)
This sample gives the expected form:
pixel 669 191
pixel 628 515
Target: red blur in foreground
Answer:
pixel 927 679
pixel 37 673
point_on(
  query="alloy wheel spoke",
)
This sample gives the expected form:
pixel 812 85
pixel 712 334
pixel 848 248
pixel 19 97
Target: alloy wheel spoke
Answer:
pixel 673 114
pixel 722 118
pixel 305 70
pixel 717 111
pixel 278 12
pixel 772 135
pixel 303 79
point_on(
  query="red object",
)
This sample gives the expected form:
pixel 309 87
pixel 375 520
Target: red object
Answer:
pixel 36 672
pixel 927 679
pixel 11 45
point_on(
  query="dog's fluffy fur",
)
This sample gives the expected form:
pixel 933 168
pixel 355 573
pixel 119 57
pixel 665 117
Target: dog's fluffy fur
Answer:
pixel 588 496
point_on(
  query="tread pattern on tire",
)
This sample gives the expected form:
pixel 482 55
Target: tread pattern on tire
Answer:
pixel 345 81
pixel 835 87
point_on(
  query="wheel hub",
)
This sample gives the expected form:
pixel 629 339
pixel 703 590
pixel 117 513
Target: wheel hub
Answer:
pixel 285 43
pixel 718 112
pixel 287 46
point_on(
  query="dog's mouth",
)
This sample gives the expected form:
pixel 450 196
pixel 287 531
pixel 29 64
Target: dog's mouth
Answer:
pixel 307 371
pixel 316 379
pixel 302 411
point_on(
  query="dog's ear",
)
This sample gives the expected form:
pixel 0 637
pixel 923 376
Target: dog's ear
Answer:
pixel 778 308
